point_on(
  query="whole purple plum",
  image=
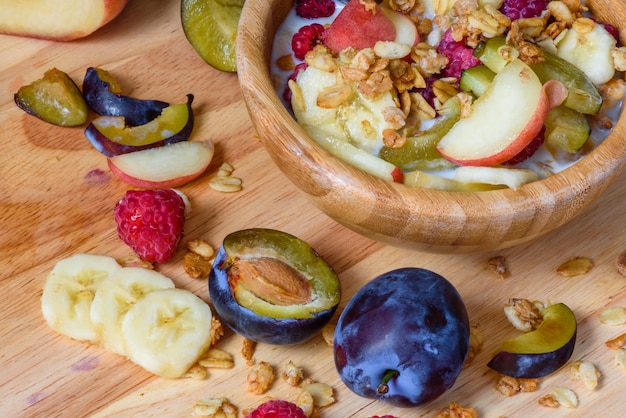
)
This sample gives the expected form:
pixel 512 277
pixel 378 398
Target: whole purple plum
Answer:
pixel 403 338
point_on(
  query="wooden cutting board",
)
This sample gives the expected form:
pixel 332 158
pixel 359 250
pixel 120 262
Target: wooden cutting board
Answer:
pixel 57 198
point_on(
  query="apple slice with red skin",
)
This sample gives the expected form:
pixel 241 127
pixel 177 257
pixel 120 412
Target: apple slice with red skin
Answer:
pixel 504 120
pixel 163 167
pixel 58 21
pixel 542 351
pixel 111 136
pixel 359 27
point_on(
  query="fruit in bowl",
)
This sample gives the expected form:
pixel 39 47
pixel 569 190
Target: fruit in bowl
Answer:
pixel 434 220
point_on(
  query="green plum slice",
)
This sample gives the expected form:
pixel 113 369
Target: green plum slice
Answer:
pixel 566 129
pixel 112 136
pixel 54 98
pixel 542 351
pixel 420 152
pixel 272 287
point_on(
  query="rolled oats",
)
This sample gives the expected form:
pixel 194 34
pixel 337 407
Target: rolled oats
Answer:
pixel 585 372
pixel 455 410
pixel 292 374
pixel 620 358
pixel 617 342
pixel 218 359
pixel 215 408
pixel 615 315
pixel 323 394
pixel 575 266
pixel 620 262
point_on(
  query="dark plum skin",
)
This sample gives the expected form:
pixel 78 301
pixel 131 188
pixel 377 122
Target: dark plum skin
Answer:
pixel 411 321
pixel 251 324
pixel 104 102
pixel 532 366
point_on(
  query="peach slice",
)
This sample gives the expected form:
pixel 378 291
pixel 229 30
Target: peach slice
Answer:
pixel 504 120
pixel 60 21
pixel 163 167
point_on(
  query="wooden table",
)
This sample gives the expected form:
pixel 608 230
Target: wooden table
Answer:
pixel 53 206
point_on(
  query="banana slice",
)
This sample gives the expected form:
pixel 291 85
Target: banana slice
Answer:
pixel 167 331
pixel 69 291
pixel 116 296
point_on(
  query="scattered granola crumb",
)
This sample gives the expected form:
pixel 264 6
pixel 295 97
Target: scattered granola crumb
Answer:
pixel 620 358
pixel 585 372
pixel 196 266
pixel 216 358
pixel 247 350
pixel 260 378
pixel 323 394
pixel 560 396
pixel 617 342
pixel 509 386
pixel 201 247
pixel 499 267
pixel 455 410
pixel 218 330
pixel 292 374
pixel 476 344
pixel 328 333
pixel 134 261
pixel 196 372
pixel 613 316
pixel 523 314
pixel 575 266
pixel 215 408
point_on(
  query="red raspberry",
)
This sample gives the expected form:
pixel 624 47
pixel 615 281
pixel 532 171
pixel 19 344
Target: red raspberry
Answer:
pixel 516 9
pixel 312 9
pixel 461 57
pixel 151 222
pixel 277 409
pixel 306 38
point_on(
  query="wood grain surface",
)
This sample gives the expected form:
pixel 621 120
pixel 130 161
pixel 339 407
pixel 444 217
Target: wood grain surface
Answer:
pixel 57 197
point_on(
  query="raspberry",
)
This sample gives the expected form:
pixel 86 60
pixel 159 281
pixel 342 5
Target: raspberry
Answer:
pixel 312 9
pixel 151 222
pixel 461 57
pixel 306 38
pixel 529 151
pixel 516 9
pixel 277 409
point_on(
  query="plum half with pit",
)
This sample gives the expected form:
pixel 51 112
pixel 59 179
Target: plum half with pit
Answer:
pixel 402 338
pixel 272 287
pixel 542 351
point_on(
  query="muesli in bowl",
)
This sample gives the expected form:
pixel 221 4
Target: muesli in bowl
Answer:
pixel 473 99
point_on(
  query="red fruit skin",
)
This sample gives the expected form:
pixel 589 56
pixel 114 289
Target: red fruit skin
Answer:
pixel 151 222
pixel 277 409
pixel 357 27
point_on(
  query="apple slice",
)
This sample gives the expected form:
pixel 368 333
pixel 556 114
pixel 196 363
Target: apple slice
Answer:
pixel 513 178
pixel 360 26
pixel 163 167
pixel 540 352
pixel 57 20
pixel 504 120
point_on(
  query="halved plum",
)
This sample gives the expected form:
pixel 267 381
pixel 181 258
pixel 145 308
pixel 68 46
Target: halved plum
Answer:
pixel 112 135
pixel 54 98
pixel 542 351
pixel 103 95
pixel 272 287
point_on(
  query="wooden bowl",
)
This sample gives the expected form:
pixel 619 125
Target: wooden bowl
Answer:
pixel 428 220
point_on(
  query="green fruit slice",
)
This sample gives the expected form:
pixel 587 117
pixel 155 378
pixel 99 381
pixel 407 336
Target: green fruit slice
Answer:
pixel 420 152
pixel 566 129
pixel 54 98
pixel 211 28
pixel 475 80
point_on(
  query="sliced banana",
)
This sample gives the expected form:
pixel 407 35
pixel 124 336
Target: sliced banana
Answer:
pixel 167 331
pixel 116 296
pixel 69 291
